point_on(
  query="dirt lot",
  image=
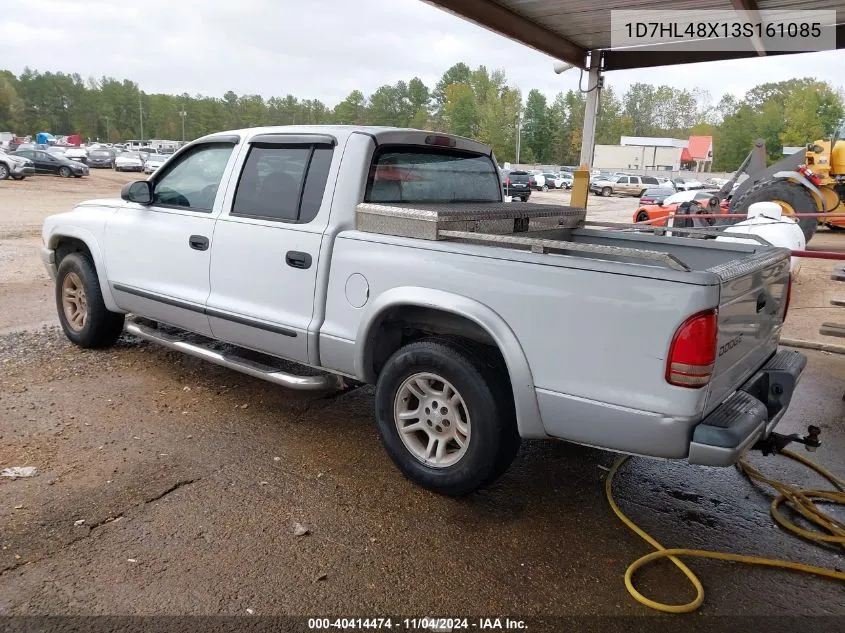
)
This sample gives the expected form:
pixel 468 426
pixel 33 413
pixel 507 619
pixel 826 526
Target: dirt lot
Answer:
pixel 171 486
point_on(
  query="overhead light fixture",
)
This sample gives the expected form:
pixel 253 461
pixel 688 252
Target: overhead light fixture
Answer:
pixel 562 67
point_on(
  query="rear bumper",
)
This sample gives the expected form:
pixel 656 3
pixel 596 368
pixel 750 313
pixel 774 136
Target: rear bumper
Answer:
pixel 750 414
pixel 22 170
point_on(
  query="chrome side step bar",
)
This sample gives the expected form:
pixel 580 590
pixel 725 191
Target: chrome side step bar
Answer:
pixel 243 365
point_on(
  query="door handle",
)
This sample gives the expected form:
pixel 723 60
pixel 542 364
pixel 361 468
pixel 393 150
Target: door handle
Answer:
pixel 198 242
pixel 297 259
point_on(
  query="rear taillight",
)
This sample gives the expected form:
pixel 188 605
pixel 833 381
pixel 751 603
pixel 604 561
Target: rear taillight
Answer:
pixel 693 351
pixel 788 296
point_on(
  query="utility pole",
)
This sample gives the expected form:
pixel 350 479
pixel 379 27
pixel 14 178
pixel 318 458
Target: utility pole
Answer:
pixel 518 135
pixel 183 114
pixel 141 115
pixel 108 135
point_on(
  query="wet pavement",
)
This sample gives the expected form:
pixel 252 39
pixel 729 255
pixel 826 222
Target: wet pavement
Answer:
pixel 189 478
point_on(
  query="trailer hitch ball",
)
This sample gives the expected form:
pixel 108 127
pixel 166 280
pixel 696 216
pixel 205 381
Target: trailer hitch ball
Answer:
pixel 811 440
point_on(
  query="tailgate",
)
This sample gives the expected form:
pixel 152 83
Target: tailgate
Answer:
pixel 752 301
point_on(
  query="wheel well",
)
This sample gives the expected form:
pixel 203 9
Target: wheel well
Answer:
pixel 401 325
pixel 67 245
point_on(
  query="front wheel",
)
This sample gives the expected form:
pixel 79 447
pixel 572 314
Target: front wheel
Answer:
pixel 606 191
pixel 642 216
pixel 82 313
pixel 544 188
pixel 4 171
pixel 64 172
pixel 446 420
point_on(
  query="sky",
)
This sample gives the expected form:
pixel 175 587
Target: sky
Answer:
pixel 318 49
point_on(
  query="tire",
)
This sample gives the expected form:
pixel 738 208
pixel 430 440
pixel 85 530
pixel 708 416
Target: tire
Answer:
pixel 97 327
pixel 642 216
pixel 64 172
pixel 484 409
pixel 544 188
pixel 524 198
pixel 642 193
pixel 797 196
pixel 4 171
pixel 606 191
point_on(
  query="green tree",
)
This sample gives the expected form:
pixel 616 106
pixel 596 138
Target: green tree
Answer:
pixel 460 110
pixel 536 133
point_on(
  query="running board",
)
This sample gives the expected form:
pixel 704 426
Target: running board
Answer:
pixel 232 361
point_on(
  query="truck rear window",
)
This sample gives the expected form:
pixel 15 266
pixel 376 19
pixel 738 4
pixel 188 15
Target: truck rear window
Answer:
pixel 418 174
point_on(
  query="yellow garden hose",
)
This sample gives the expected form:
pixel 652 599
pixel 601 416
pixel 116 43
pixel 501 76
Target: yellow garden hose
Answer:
pixel 801 501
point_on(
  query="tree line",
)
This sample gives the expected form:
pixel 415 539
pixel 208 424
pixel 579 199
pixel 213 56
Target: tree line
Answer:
pixel 472 102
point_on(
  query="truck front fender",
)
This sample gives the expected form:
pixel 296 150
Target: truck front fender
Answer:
pixel 86 237
pixel 801 178
pixel 522 382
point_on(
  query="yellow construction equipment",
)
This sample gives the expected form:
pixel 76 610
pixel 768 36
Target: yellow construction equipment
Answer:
pixel 809 181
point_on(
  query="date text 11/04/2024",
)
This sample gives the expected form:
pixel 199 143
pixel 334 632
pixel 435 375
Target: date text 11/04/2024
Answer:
pixel 680 31
pixel 417 624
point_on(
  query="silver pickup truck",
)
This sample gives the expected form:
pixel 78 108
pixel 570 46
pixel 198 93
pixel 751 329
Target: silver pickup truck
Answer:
pixel 386 256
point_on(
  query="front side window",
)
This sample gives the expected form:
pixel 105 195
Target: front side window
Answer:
pixel 421 174
pixel 192 182
pixel 283 182
pixel 622 180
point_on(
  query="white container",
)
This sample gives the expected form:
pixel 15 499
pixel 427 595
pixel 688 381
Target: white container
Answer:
pixel 766 220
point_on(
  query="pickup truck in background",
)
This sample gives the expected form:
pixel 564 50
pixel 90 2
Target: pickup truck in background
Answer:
pixel 386 256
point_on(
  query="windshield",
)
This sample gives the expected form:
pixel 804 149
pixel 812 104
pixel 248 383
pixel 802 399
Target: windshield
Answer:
pixel 422 174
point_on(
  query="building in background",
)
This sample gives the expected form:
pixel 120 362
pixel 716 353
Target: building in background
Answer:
pixel 646 153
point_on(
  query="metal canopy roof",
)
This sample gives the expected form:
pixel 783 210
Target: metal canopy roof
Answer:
pixel 569 29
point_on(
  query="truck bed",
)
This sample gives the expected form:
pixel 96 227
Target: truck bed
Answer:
pixel 560 229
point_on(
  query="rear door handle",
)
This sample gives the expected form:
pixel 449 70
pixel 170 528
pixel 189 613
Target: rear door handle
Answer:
pixel 298 259
pixel 198 242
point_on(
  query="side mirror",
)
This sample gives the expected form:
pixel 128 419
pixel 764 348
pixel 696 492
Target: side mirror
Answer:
pixel 139 191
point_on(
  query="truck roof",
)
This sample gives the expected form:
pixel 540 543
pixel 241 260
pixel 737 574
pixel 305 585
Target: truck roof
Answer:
pixel 382 135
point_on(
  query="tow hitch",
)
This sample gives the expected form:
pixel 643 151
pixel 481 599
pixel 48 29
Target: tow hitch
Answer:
pixel 776 442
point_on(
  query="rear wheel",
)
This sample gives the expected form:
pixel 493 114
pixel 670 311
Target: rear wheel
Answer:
pixel 606 191
pixel 64 172
pixel 82 313
pixel 445 418
pixel 792 197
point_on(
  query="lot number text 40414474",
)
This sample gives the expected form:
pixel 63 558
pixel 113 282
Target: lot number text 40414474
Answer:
pixel 435 625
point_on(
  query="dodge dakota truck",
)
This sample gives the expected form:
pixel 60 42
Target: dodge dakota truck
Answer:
pixel 387 256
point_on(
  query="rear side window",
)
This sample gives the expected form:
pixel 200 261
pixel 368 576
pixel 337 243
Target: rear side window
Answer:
pixel 283 182
pixel 419 174
pixel 648 180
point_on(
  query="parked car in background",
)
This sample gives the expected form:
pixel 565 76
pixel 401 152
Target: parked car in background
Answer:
pixel 129 161
pixel 537 182
pixel 665 183
pixel 671 203
pixel 656 195
pixel 15 167
pixel 564 180
pixel 46 163
pixel 516 184
pixel 55 150
pixel 687 184
pixel 153 162
pixel 101 157
pixel 148 150
pixel 623 184
pixel 78 154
